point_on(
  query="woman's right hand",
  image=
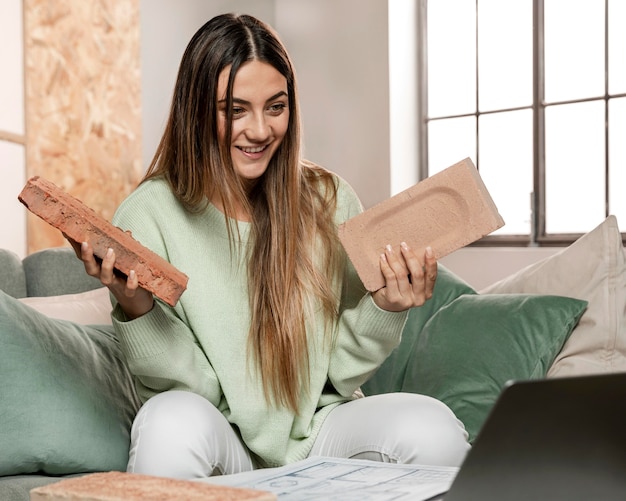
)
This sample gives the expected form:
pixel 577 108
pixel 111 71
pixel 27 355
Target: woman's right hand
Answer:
pixel 135 301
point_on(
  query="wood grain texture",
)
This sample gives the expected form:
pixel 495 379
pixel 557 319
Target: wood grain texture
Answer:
pixel 83 102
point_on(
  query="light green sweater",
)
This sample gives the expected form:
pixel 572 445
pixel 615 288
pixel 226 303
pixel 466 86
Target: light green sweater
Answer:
pixel 200 344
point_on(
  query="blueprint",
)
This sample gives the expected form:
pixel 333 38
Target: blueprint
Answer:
pixel 337 479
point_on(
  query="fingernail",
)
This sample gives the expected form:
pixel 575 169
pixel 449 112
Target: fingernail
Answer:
pixel 429 251
pixel 109 252
pixel 389 248
pixel 131 274
pixel 84 245
pixel 404 246
pixel 383 257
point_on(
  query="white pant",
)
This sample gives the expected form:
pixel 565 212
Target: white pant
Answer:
pixel 182 435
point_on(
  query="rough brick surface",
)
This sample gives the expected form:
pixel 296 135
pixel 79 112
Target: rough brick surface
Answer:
pixel 118 486
pixel 82 224
pixel 446 211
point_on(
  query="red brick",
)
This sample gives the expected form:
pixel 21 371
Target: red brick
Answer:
pixel 445 211
pixel 82 224
pixel 118 486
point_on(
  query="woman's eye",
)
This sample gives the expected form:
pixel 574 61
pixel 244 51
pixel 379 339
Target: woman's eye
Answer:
pixel 277 108
pixel 237 111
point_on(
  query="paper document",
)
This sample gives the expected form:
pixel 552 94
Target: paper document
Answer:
pixel 337 479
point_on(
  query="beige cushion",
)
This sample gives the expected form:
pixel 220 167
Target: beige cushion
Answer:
pixel 594 269
pixel 86 308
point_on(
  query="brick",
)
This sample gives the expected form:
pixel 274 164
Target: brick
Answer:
pixel 82 224
pixel 445 211
pixel 119 486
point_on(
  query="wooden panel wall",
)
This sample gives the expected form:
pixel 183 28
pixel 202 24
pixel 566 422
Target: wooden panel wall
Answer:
pixel 83 102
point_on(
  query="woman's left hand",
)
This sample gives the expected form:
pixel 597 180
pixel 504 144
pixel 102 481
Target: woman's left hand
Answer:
pixel 409 281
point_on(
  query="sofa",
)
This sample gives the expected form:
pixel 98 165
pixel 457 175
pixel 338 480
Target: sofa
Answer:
pixel 67 399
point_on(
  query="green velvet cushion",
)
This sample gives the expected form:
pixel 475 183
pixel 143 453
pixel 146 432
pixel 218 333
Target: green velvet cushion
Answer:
pixel 470 348
pixel 390 375
pixel 66 396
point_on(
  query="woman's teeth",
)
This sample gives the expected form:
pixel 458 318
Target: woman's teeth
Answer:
pixel 258 149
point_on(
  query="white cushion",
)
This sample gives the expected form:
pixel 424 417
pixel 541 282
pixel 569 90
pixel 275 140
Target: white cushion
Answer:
pixel 594 269
pixel 87 308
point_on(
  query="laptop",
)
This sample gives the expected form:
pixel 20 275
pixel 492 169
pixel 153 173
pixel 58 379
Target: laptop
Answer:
pixel 553 439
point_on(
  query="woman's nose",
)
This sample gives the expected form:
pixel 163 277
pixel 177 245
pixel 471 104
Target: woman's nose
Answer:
pixel 258 129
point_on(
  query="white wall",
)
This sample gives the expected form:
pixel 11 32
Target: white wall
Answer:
pixel 340 51
pixel 482 266
pixel 403 97
pixel 12 154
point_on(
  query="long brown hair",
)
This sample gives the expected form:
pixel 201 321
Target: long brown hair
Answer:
pixel 293 255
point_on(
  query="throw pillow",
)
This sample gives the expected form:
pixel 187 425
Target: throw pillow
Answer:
pixel 12 279
pixel 593 269
pixel 388 378
pixel 67 397
pixel 470 348
pixel 87 308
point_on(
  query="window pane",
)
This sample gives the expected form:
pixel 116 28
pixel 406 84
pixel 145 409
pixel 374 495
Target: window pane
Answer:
pixel 574 49
pixel 450 141
pixel 506 159
pixel 575 169
pixel 617 158
pixel 505 54
pixel 451 57
pixel 617 46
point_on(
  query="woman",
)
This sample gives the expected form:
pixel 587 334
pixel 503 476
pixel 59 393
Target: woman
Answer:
pixel 260 362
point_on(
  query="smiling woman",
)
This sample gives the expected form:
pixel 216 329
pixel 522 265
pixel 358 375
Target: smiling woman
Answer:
pixel 275 333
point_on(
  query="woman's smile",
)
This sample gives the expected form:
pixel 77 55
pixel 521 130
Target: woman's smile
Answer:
pixel 253 152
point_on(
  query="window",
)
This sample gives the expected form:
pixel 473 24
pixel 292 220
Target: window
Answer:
pixel 534 91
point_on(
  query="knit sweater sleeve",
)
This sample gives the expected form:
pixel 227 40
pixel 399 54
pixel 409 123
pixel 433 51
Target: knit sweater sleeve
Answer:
pixel 162 351
pixel 163 355
pixel 366 335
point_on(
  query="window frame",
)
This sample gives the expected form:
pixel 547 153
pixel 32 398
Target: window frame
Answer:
pixel 538 235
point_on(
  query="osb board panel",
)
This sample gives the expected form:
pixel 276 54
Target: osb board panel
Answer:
pixel 83 103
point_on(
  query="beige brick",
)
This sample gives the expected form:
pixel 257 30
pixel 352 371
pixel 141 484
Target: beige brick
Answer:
pixel 445 211
pixel 82 224
pixel 118 486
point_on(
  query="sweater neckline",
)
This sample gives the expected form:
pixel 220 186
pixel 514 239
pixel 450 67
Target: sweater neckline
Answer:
pixel 220 222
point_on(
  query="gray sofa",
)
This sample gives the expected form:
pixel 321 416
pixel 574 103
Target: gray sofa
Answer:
pixel 52 272
pixel 562 316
